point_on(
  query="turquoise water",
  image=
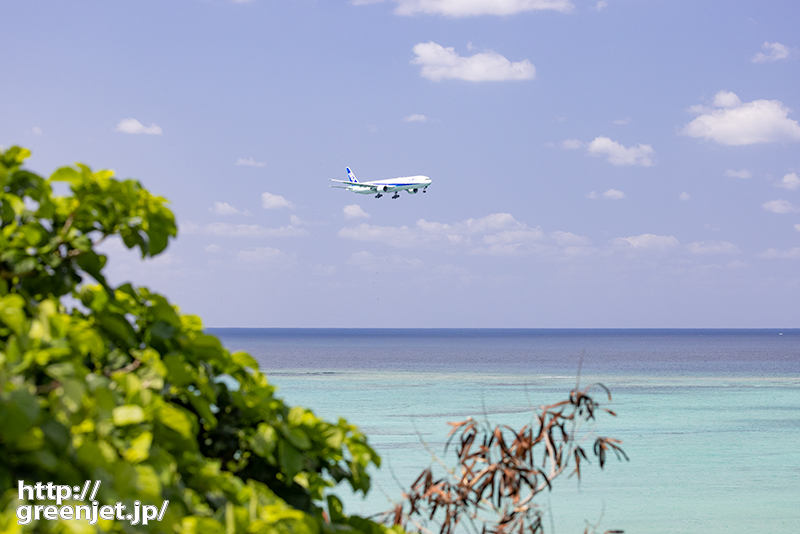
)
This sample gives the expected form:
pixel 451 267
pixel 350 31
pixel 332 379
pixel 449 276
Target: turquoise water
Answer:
pixel 709 419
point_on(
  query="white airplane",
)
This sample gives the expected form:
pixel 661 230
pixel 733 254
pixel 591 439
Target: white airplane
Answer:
pixel 412 184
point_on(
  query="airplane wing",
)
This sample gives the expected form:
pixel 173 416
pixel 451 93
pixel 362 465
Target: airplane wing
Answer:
pixel 355 185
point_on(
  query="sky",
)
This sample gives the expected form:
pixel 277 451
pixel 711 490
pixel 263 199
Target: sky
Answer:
pixel 595 164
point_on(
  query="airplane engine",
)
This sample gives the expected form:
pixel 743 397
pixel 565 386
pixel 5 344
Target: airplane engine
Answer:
pixel 412 191
pixel 383 188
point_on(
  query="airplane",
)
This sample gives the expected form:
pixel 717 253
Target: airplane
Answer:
pixel 412 184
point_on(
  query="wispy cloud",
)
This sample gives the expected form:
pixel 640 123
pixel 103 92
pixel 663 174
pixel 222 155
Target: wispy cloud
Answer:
pixel 614 194
pixel 779 206
pixel 370 262
pixel 261 255
pixel 497 234
pixel 790 181
pixel 473 8
pixel 354 211
pixel 773 253
pixel 621 122
pixel 416 118
pixel 646 242
pixel 249 162
pixel 744 173
pixel 684 197
pixel 617 154
pixel 440 63
pixel 571 144
pixel 132 126
pixel 274 202
pixel 712 247
pixel 775 52
pixel 732 122
pixel 222 229
pixel 223 208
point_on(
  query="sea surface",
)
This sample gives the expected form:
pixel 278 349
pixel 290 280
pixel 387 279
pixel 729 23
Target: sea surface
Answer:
pixel 710 419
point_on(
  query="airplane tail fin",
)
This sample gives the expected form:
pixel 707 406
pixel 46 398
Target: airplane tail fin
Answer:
pixel 351 176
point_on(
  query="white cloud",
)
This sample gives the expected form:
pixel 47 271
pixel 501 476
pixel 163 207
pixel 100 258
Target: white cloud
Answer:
pixel 212 248
pixel 273 202
pixel 797 227
pixel 736 123
pixel 416 118
pixel 791 253
pixel 744 173
pixel 777 51
pixel 614 194
pixel 223 208
pixel 132 126
pixel 571 144
pixel 600 5
pixel 471 8
pixel 592 195
pixel 684 197
pixel 370 262
pixel 573 244
pixel 188 228
pixel 779 206
pixel 498 234
pixel 564 239
pixel 36 130
pixel 440 63
pixel 324 270
pixel 354 211
pixel 712 247
pixel 790 181
pixel 261 255
pixel 619 155
pixel 726 99
pixel 250 230
pixel 495 234
pixel 645 242
pixel 621 122
pixel 250 162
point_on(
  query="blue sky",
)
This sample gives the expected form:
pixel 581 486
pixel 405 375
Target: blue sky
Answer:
pixel 595 164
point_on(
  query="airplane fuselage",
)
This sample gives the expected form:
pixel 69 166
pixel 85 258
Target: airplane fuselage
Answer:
pixel 412 184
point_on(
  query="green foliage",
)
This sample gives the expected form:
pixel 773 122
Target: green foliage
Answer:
pixel 114 384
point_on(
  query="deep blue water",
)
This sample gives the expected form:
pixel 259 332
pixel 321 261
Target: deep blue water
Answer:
pixel 709 418
pixel 656 351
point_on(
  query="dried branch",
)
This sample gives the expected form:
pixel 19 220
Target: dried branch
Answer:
pixel 496 478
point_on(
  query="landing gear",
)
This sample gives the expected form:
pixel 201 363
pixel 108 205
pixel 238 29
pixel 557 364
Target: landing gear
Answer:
pixel 378 195
pixel 396 195
pixel 424 189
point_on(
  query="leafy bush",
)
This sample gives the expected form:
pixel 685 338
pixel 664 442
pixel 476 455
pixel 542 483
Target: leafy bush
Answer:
pixel 114 384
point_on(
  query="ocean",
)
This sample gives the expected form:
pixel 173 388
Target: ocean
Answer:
pixel 710 419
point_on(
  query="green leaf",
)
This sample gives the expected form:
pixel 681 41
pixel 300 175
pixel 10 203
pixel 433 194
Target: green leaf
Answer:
pixel 139 449
pixel 128 414
pixel 177 419
pixel 66 174
pixel 290 458
pixel 12 314
pixel 242 358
